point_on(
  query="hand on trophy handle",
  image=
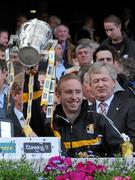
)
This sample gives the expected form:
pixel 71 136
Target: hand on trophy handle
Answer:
pixel 33 70
pixel 14 57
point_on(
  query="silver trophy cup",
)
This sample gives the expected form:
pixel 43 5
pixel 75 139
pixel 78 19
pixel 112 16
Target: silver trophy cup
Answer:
pixel 33 38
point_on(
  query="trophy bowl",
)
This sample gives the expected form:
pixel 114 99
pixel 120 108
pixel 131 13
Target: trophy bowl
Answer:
pixel 34 37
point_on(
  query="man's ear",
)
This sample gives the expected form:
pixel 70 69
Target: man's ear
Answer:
pixel 114 83
pixel 13 94
pixel 119 26
pixel 59 97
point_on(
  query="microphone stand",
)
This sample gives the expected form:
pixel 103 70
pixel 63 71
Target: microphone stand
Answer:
pixel 127 147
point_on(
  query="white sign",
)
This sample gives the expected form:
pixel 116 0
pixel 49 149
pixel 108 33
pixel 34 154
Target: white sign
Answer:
pixel 31 148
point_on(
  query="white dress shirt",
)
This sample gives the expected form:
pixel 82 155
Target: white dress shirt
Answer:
pixel 1 100
pixel 20 116
pixel 107 102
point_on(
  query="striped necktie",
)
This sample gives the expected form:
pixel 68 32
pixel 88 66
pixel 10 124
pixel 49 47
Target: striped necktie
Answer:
pixel 102 108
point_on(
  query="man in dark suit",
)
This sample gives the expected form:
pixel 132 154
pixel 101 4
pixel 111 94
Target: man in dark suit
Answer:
pixel 16 114
pixel 119 109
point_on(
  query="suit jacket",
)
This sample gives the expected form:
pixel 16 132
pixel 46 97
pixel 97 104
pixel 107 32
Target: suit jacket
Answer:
pixel 122 113
pixel 18 131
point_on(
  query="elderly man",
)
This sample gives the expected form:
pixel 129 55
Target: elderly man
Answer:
pixel 119 109
pixel 62 34
pixel 84 54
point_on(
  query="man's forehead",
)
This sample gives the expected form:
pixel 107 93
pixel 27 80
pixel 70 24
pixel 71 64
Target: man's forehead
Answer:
pixel 71 80
pixel 104 52
pixel 103 70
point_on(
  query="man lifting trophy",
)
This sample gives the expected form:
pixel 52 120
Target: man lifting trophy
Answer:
pixel 34 44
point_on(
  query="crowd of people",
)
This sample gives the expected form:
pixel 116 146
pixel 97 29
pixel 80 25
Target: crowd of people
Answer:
pixel 94 98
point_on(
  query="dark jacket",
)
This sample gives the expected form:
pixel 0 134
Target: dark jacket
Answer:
pixel 89 132
pixel 18 131
pixel 129 90
pixel 122 113
pixel 127 48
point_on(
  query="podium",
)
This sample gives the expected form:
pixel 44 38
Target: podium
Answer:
pixel 31 148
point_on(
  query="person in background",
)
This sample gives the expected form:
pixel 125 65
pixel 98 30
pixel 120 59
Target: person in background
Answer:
pixel 4 88
pixel 2 51
pixel 109 55
pixel 62 34
pixel 84 55
pixel 88 31
pixel 41 79
pixel 117 38
pixel 16 115
pixel 128 23
pixel 87 90
pixel 21 18
pixel 92 44
pixel 74 58
pixel 128 69
pixel 60 68
pixel 54 21
pixel 4 37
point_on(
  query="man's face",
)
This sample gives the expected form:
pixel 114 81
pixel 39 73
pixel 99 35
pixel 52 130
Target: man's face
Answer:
pixel 41 79
pixel 102 85
pixel 18 100
pixel 87 92
pixel 53 22
pixel 112 31
pixel 104 56
pixel 20 21
pixel 71 95
pixel 59 51
pixel 84 56
pixel 62 33
pixel 4 38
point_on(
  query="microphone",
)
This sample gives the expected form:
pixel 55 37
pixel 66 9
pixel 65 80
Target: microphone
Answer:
pixel 127 147
pixel 123 135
